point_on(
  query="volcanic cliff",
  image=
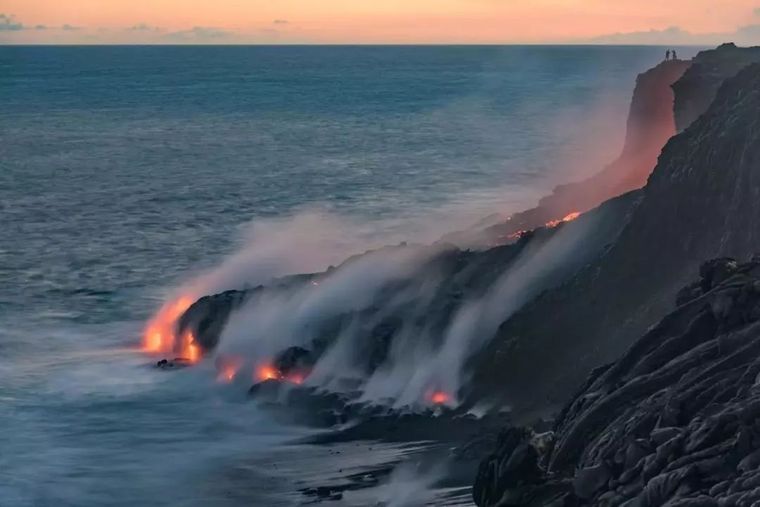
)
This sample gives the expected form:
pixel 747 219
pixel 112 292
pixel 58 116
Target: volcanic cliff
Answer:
pixel 696 89
pixel 650 124
pixel 700 202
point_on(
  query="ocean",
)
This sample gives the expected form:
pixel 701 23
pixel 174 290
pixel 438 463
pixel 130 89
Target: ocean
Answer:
pixel 127 171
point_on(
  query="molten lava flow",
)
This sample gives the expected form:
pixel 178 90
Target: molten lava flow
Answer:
pixel 161 334
pixel 270 372
pixel 440 397
pixel 189 349
pixel 267 372
pixel 567 218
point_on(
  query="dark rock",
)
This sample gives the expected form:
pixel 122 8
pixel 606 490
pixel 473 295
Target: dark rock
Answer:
pixel 588 481
pixel 708 454
pixel 696 89
pixel 699 203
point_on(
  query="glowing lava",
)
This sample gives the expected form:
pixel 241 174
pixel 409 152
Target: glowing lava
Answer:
pixel 567 218
pixel 267 372
pixel 160 336
pixel 440 398
pixel 189 349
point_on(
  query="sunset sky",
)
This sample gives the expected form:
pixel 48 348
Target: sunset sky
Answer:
pixel 379 21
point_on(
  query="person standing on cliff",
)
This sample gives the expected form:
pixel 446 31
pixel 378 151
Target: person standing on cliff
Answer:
pixel 673 52
pixel 667 55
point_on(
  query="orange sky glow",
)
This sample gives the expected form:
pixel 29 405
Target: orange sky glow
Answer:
pixel 365 21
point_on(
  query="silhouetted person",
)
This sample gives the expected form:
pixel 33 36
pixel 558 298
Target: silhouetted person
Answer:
pixel 675 57
pixel 667 55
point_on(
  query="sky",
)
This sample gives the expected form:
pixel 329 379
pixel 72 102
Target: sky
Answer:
pixel 676 22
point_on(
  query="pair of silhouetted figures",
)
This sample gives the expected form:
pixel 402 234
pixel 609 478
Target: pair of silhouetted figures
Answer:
pixel 670 54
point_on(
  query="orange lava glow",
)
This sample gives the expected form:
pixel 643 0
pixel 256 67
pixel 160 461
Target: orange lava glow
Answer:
pixel 567 218
pixel 189 349
pixel 440 397
pixel 267 372
pixel 160 335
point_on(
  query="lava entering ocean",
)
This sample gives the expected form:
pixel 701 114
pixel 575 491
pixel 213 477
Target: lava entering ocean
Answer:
pixel 160 336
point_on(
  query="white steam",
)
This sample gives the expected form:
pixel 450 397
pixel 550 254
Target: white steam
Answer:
pixel 415 369
pixel 419 362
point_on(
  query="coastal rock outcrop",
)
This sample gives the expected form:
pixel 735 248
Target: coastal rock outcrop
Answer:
pixel 675 421
pixel 696 89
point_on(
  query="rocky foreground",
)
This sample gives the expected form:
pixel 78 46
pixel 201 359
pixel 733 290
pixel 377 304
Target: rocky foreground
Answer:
pixel 674 422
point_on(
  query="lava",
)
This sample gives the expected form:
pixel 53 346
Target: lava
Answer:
pixel 161 333
pixel 267 372
pixel 440 397
pixel 567 218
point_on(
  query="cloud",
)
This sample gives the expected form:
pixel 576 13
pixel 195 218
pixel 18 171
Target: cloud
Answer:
pixel 280 22
pixel 9 24
pixel 143 27
pixel 757 11
pixel 198 34
pixel 676 36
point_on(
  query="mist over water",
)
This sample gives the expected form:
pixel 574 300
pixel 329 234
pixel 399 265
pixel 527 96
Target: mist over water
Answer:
pixel 127 173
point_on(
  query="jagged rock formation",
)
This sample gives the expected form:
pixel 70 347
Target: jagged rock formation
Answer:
pixel 700 202
pixel 675 421
pixel 650 125
pixel 696 89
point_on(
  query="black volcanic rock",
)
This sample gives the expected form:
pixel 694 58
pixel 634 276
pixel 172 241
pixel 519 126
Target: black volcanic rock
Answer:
pixel 207 316
pixel 674 421
pixel 700 202
pixel 696 89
